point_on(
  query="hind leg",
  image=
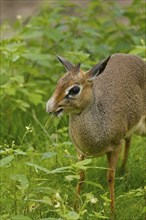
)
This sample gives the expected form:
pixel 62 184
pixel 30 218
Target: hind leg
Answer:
pixel 126 152
pixel 112 161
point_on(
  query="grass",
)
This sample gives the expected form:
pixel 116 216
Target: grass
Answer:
pixel 38 166
pixel 30 188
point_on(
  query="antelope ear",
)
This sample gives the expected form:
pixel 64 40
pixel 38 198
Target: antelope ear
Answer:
pixel 97 69
pixel 76 68
pixel 68 66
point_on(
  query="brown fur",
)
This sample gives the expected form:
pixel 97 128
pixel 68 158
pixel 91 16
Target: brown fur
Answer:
pixel 116 106
pixel 107 111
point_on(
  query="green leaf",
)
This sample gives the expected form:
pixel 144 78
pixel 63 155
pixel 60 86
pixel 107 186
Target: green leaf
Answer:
pixel 138 50
pixel 18 79
pixel 30 34
pixel 35 98
pixel 82 164
pixel 41 59
pixel 46 200
pixel 22 179
pixel 47 155
pixel 5 161
pixel 20 217
pixel 22 105
pixel 58 170
pixel 144 210
pixel 46 190
pixel 36 56
pixel 54 35
pixel 100 215
pixel 11 91
pixel 51 219
pixel 20 152
pixel 37 167
pixel 94 184
pixel 15 57
pixel 72 215
pixel 72 177
pixel 104 197
pixel 61 170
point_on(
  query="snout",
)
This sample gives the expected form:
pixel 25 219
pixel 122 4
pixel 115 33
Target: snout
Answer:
pixel 51 107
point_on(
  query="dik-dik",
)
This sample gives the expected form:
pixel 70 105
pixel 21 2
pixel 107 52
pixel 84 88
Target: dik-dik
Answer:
pixel 105 105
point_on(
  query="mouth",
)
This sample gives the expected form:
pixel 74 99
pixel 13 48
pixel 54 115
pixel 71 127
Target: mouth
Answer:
pixel 59 112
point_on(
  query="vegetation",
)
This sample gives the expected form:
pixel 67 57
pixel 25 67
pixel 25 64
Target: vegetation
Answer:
pixel 39 167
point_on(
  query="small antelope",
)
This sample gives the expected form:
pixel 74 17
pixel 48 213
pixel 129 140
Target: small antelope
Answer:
pixel 105 105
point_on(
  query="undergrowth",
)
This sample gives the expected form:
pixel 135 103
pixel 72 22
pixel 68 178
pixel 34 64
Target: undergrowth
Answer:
pixel 39 168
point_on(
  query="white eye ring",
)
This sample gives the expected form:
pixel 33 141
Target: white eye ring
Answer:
pixel 69 89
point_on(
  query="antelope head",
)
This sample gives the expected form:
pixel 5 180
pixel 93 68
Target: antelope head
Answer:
pixel 74 90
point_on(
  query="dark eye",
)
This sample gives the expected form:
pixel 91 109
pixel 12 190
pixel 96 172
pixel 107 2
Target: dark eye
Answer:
pixel 74 90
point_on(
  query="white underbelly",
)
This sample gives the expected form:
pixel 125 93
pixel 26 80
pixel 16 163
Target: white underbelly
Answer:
pixel 140 128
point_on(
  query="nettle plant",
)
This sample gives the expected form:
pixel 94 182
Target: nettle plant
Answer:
pixel 32 188
pixel 29 54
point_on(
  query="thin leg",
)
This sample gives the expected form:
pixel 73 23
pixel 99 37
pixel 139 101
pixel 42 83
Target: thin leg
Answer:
pixel 81 180
pixel 82 177
pixel 112 160
pixel 126 152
